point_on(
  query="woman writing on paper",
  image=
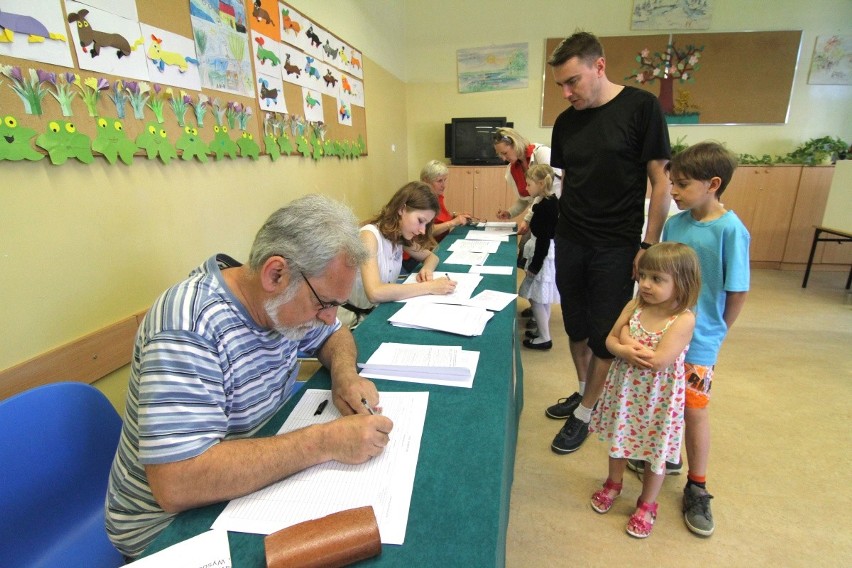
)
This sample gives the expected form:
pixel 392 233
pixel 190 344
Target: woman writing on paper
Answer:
pixel 405 223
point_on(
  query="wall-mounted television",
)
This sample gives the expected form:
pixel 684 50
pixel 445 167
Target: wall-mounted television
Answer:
pixel 469 141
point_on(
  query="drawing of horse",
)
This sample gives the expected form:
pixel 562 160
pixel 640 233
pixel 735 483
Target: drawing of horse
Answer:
pixel 269 96
pixel 98 39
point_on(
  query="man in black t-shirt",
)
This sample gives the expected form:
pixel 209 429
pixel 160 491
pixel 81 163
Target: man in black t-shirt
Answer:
pixel 610 142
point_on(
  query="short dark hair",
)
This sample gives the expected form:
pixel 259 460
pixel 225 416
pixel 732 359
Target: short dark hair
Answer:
pixel 704 161
pixel 581 44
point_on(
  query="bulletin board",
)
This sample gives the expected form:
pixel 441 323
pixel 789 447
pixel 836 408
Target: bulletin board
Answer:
pixel 741 78
pixel 243 113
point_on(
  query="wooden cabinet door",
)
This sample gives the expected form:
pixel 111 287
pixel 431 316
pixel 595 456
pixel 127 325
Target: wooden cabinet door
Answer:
pixel 490 191
pixel 458 196
pixel 810 207
pixel 763 198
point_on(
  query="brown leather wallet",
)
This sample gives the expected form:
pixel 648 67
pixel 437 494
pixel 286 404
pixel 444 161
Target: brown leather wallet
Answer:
pixel 339 539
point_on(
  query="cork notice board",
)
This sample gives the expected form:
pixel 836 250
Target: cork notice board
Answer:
pixel 173 17
pixel 743 78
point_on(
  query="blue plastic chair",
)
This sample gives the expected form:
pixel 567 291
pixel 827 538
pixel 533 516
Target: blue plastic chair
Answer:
pixel 56 448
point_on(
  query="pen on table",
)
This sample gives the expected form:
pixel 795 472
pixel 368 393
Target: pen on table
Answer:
pixel 367 406
pixel 321 407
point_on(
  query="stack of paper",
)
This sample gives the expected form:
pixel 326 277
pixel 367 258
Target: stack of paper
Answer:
pixel 461 320
pixel 429 364
pixel 468 245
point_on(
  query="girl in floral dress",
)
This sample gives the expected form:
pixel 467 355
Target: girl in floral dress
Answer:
pixel 640 413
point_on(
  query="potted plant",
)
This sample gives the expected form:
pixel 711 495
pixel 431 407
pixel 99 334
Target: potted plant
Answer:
pixel 816 151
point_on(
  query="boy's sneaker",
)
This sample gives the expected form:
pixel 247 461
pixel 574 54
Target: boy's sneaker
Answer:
pixel 696 510
pixel 564 407
pixel 671 468
pixel 571 436
pixel 527 313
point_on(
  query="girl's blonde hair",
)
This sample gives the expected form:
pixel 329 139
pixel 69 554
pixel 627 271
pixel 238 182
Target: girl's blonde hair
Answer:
pixel 543 174
pixel 415 195
pixel 681 263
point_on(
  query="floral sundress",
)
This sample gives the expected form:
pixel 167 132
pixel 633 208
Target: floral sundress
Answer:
pixel 640 413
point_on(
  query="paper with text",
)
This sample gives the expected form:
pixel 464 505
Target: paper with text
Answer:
pixel 499 270
pixel 207 549
pixel 385 482
pixel 461 320
pixel 428 364
pixel 465 245
pixel 491 300
pixel 467 257
pixel 466 283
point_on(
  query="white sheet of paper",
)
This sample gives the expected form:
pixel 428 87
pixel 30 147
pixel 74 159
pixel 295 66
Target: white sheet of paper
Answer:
pixel 500 224
pixel 491 300
pixel 487 236
pixel 501 270
pixel 469 258
pixel 461 320
pixel 207 549
pixel 428 364
pixel 467 245
pixel 385 482
pixel 466 283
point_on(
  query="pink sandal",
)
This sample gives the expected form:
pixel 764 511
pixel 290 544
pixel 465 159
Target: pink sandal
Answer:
pixel 601 500
pixel 638 526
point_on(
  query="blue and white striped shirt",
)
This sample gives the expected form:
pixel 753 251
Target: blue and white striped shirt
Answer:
pixel 202 371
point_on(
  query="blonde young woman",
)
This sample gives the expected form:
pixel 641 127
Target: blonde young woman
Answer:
pixel 512 147
pixel 404 224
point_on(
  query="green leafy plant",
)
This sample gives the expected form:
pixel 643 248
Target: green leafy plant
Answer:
pixel 679 146
pixel 818 151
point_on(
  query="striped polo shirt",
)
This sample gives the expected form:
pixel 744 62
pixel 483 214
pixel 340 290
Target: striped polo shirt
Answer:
pixel 202 371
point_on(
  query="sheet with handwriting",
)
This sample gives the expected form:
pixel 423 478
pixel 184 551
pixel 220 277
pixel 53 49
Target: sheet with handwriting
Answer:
pixel 385 482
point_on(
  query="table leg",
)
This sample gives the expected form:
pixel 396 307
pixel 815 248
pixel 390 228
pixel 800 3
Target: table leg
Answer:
pixel 811 258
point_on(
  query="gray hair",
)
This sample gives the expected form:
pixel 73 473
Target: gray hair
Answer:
pixel 433 170
pixel 309 232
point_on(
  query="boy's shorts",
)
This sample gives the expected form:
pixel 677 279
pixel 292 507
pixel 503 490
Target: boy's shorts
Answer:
pixel 699 379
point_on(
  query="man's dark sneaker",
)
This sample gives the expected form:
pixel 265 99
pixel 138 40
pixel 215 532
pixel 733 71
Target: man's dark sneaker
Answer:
pixel 571 436
pixel 531 334
pixel 564 407
pixel 671 468
pixel 527 313
pixel 531 324
pixel 696 510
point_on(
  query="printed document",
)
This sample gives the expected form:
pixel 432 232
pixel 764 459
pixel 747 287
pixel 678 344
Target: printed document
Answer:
pixel 430 364
pixel 461 320
pixel 385 482
pixel 207 549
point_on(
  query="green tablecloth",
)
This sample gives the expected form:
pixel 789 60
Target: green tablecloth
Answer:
pixel 460 505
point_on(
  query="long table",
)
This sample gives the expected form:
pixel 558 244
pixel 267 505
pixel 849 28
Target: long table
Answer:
pixel 460 504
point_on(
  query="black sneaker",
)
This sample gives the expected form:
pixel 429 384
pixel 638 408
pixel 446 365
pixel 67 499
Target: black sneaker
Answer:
pixel 696 510
pixel 527 313
pixel 639 467
pixel 564 407
pixel 571 436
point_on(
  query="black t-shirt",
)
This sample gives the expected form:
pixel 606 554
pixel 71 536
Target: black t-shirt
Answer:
pixel 604 152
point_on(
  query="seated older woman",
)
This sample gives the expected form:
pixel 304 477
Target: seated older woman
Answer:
pixel 434 174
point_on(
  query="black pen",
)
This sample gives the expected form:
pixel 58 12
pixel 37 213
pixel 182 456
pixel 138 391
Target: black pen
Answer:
pixel 367 406
pixel 321 407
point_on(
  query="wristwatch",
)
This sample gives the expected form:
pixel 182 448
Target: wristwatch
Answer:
pixel 645 246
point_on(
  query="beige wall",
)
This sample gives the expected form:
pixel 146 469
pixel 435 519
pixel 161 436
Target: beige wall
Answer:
pixel 84 246
pixel 436 29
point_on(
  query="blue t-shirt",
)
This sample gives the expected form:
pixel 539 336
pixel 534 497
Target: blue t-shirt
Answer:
pixel 722 248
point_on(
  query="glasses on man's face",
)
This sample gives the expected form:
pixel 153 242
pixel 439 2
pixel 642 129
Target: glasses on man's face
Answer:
pixel 324 305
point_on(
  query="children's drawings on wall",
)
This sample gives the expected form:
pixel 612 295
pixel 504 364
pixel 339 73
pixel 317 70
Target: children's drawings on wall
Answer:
pixel 171 58
pixel 832 61
pixel 672 14
pixel 264 17
pixel 331 81
pixel 312 105
pixel 312 73
pixel 293 65
pixel 123 8
pixel 221 42
pixel 106 43
pixel 352 88
pixel 344 111
pixel 34 30
pixel 292 26
pixel 270 94
pixel 353 63
pixel 267 55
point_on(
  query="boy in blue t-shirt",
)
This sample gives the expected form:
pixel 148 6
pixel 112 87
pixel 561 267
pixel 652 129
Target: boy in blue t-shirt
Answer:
pixel 699 175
